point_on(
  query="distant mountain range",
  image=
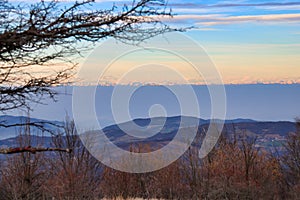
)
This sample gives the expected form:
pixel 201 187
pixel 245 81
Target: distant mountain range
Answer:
pixel 266 132
pixel 172 123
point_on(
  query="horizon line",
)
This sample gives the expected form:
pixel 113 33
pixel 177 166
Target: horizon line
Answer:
pixel 171 116
pixel 171 84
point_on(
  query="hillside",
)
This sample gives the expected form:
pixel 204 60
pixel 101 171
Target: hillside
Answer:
pixel 267 133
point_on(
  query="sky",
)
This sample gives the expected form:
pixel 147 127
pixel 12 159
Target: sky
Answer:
pixel 262 102
pixel 248 41
pixel 252 44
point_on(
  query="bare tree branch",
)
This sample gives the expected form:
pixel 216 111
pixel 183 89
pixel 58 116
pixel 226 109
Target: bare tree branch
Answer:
pixel 39 42
pixel 38 124
pixel 32 150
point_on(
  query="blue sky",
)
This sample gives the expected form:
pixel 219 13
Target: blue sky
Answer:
pixel 249 41
pixel 258 40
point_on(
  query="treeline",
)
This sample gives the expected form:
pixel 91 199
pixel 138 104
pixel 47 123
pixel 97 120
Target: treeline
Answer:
pixel 234 169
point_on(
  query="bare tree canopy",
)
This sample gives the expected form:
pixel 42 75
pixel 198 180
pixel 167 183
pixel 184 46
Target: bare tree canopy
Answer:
pixel 39 41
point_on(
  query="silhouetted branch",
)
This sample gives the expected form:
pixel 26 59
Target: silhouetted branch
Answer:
pixel 40 41
pixel 39 125
pixel 32 150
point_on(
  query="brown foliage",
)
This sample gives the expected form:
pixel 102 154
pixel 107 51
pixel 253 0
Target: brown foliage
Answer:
pixel 165 183
pixel 291 162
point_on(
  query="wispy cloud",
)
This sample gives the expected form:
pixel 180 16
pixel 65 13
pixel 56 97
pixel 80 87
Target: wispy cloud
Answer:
pixel 234 7
pixel 282 8
pixel 221 19
pixel 270 18
pixel 208 29
pixel 224 5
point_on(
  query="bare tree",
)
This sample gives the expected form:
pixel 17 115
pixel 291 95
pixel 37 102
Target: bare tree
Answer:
pixel 74 175
pixel 249 155
pixel 23 174
pixel 39 42
pixel 291 161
